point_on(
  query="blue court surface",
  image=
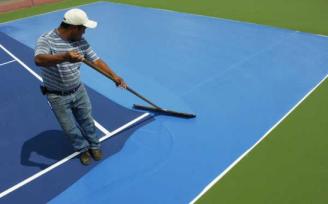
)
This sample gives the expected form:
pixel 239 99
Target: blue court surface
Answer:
pixel 239 78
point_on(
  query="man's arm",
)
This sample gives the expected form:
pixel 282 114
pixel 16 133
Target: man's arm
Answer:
pixel 106 69
pixel 47 60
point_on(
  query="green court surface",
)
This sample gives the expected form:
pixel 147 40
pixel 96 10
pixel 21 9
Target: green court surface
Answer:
pixel 290 165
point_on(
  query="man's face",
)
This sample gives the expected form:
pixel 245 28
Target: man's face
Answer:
pixel 77 33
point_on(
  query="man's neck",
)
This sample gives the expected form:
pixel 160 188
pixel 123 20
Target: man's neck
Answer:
pixel 63 33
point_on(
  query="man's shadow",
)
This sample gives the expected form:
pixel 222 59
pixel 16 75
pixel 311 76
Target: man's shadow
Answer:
pixel 51 145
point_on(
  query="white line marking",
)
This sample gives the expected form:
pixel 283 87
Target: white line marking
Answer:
pixel 100 127
pixel 210 17
pixel 124 126
pixel 104 130
pixel 321 35
pixel 7 62
pixel 22 63
pixel 40 173
pixel 212 183
pixel 165 10
pixel 44 171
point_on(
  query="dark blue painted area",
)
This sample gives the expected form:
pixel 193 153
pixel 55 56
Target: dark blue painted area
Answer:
pixel 48 186
pixel 4 57
pixel 21 51
pixel 23 116
pixel 31 139
pixel 239 78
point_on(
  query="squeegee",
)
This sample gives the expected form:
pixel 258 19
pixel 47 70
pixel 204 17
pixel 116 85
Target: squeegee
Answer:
pixel 153 107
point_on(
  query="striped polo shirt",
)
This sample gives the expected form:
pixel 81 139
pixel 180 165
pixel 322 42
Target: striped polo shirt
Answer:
pixel 66 75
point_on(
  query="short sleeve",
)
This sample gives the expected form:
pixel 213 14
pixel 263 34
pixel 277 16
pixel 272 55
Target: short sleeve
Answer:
pixel 42 46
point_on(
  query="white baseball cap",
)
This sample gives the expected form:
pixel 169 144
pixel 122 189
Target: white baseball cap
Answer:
pixel 78 17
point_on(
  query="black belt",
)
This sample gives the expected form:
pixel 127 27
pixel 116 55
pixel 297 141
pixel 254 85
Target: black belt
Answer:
pixel 46 91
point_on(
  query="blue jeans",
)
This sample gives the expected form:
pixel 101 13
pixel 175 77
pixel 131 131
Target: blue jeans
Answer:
pixel 73 113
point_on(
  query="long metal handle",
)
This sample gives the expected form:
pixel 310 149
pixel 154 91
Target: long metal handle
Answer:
pixel 90 64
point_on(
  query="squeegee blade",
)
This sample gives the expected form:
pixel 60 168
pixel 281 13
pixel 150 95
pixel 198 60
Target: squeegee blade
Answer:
pixel 164 111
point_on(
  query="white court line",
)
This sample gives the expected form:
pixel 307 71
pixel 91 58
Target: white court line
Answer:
pixel 7 62
pixel 124 126
pixel 106 136
pixel 212 183
pixel 44 171
pixel 22 63
pixel 100 127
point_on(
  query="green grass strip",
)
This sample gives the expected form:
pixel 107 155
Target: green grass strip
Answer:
pixel 31 11
pixel 289 166
pixel 303 15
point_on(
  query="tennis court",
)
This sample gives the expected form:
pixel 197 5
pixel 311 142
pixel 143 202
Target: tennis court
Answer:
pixel 241 79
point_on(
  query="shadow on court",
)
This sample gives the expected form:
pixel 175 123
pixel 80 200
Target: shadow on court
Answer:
pixel 51 146
pixel 40 150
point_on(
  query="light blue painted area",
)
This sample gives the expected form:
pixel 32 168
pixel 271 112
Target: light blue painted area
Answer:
pixel 239 78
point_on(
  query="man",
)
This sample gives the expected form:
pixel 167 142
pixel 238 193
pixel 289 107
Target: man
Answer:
pixel 59 53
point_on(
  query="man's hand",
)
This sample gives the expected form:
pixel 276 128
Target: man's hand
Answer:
pixel 73 56
pixel 120 82
pixel 48 60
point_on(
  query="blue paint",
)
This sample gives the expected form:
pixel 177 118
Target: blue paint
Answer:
pixel 239 78
pixel 31 139
pixel 4 57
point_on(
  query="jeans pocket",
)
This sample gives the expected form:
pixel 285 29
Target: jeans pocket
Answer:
pixel 54 99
